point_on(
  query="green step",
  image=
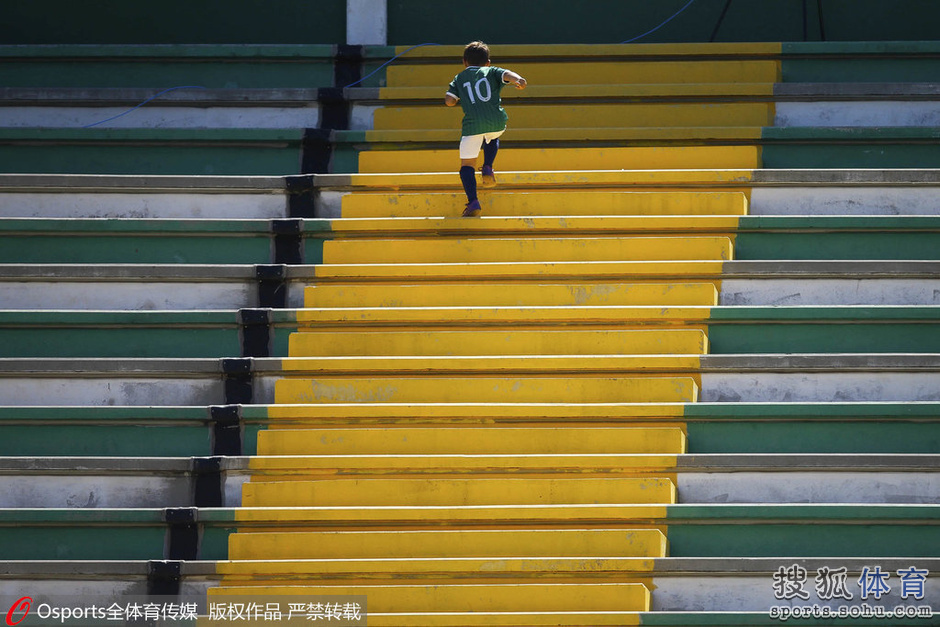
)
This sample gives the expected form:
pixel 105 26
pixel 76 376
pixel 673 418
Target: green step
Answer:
pixel 227 333
pixel 103 240
pixel 861 61
pixel 712 428
pixel 39 240
pixel 813 428
pixel 116 431
pixel 146 334
pixel 822 329
pixel 110 534
pixel 166 66
pixel 693 531
pixel 850 147
pixel 152 151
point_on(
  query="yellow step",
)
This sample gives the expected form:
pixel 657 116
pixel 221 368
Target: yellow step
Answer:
pixel 474 414
pixel 297 519
pixel 475 598
pixel 498 342
pixel 476 491
pixel 587 115
pixel 472 441
pixel 490 365
pixel 526 270
pixel 474 250
pixel 448 543
pixel 290 467
pixel 644 179
pixel 514 294
pixel 569 159
pixel 293 519
pixel 600 72
pixel 616 413
pixel 563 203
pixel 533 226
pixel 301 518
pixel 255 572
pixel 486 389
pixel 307 467
pixel 518 317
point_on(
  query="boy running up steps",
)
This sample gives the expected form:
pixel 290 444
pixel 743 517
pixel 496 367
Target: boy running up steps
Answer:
pixel 477 89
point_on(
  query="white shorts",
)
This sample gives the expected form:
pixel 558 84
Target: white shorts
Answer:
pixel 470 145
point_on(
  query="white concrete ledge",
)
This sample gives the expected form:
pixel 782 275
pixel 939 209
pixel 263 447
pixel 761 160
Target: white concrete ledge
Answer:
pixel 47 107
pixel 123 482
pixel 868 113
pixel 823 362
pixel 820 378
pixel 845 200
pixel 130 287
pixel 725 378
pixel 172 286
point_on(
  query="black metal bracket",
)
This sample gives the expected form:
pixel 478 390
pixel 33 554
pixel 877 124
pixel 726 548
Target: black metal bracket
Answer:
pixel 272 286
pixel 256 332
pixel 301 196
pixel 347 65
pixel 207 482
pixel 236 377
pixel 182 539
pixel 288 240
pixel 226 423
pixel 317 151
pixel 334 108
pixel 163 578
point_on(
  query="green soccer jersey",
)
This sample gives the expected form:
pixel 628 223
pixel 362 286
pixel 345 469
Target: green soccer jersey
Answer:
pixel 478 89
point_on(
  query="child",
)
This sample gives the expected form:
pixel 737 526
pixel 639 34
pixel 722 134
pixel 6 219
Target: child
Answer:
pixel 477 89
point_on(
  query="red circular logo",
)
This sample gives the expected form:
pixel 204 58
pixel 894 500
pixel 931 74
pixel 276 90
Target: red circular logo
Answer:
pixel 22 605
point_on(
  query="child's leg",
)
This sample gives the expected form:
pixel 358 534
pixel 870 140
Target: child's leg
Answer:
pixel 490 148
pixel 489 152
pixel 469 178
pixel 469 151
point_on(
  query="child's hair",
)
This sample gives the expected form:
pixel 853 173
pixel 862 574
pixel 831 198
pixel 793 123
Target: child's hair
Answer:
pixel 476 53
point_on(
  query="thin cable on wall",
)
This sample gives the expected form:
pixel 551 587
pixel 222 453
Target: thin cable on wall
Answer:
pixel 653 30
pixel 402 53
pixel 154 97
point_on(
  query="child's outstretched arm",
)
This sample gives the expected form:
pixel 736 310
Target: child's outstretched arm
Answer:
pixel 511 77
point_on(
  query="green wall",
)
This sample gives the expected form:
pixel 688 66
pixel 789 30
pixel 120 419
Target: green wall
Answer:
pixel 615 21
pixel 173 21
pixel 448 22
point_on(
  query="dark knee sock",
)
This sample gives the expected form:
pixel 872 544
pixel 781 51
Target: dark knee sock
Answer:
pixel 469 180
pixel 489 152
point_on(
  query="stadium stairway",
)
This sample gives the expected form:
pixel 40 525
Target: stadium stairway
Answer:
pixel 623 396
